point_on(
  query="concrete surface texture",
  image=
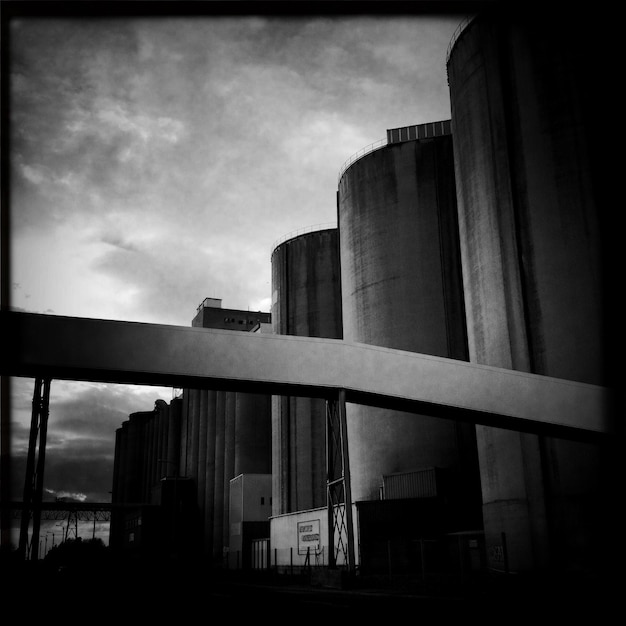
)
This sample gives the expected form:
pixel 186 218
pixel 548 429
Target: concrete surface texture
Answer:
pixel 530 243
pixel 401 288
pixel 306 301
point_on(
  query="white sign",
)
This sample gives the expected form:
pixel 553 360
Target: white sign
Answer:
pixel 309 536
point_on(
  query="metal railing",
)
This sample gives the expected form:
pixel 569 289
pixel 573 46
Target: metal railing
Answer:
pixel 302 231
pixel 360 154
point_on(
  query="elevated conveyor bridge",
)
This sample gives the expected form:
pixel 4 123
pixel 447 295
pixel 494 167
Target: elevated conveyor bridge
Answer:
pixel 48 347
pixel 72 348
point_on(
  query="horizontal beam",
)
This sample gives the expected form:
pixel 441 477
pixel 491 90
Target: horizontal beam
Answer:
pixel 185 357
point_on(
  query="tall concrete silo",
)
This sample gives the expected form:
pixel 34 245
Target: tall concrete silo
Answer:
pixel 401 288
pixel 306 301
pixel 530 241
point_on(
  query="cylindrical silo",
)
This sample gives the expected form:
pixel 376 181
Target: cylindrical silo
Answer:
pixel 150 455
pixel 136 446
pixel 402 288
pixel 209 481
pixel 116 527
pixel 118 468
pixel 202 459
pixel 306 301
pixel 229 463
pixel 173 437
pixel 218 491
pixel 162 409
pixel 194 430
pixel 125 464
pixel 531 255
pixel 184 438
pixel 155 425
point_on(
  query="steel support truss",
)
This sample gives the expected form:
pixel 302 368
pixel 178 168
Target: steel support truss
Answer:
pixel 35 463
pixel 339 496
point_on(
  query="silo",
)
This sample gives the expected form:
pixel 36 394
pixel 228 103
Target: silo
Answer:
pixel 118 464
pixel 116 527
pixel 229 465
pixel 203 422
pixel 530 241
pixel 401 288
pixel 173 437
pixel 306 301
pixel 218 489
pixel 209 474
pixel 162 410
pixel 136 447
pixel 125 460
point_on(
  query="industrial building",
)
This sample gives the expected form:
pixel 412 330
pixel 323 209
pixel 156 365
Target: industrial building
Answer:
pixel 188 452
pixel 476 238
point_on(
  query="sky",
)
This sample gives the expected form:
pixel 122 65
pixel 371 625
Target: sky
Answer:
pixel 156 161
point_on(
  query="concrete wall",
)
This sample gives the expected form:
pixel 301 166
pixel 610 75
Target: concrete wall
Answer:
pixel 306 301
pixel 401 288
pixel 530 241
pixel 284 539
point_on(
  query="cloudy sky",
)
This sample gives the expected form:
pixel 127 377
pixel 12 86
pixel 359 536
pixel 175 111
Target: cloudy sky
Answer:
pixel 155 161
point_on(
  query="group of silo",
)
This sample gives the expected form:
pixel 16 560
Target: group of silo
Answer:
pixel 146 450
pixel 389 275
pixel 476 239
pixel 224 434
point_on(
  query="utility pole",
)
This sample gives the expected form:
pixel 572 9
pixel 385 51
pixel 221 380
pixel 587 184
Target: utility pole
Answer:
pixel 33 483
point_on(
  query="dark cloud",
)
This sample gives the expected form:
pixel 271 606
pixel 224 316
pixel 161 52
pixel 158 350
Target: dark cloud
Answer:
pixel 80 436
pixel 90 475
pixel 86 476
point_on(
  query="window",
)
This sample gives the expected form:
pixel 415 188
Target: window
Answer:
pixel 262 500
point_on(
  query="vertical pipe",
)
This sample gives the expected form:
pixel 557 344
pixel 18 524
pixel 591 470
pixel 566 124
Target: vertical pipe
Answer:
pixel 341 402
pixel 330 474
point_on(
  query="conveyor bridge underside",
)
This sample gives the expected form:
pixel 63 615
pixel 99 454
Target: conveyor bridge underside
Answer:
pixel 72 348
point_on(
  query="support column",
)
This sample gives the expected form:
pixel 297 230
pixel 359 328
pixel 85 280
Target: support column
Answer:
pixel 338 484
pixel 33 482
